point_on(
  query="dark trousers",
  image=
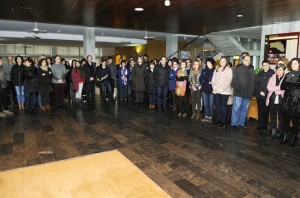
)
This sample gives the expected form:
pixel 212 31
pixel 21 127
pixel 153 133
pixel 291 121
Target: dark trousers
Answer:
pixel 3 99
pixel 286 123
pixel 45 94
pixel 139 96
pixel 105 89
pixel 90 91
pixel 123 91
pixel 263 112
pixel 276 116
pixel 11 95
pixel 59 94
pixel 152 98
pixel 183 104
pixel 30 100
pixel 162 96
pixel 174 98
pixel 221 106
pixel 196 101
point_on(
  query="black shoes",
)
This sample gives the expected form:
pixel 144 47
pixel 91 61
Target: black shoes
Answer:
pixel 221 125
pixel 216 124
pixel 234 127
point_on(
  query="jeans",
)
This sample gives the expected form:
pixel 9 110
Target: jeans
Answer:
pixel 123 91
pixel 106 90
pixel 162 96
pixel 239 110
pixel 208 100
pixel 30 100
pixel 152 98
pixel 221 105
pixel 20 94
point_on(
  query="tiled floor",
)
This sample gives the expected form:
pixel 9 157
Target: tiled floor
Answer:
pixel 186 158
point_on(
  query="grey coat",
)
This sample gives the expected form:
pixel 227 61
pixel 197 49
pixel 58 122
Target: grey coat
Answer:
pixel 7 70
pixel 3 82
pixel 59 72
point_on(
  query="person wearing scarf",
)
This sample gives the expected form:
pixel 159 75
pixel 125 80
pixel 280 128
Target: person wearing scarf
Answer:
pixel 123 75
pixel 78 79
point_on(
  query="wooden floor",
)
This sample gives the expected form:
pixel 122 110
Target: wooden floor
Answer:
pixel 186 158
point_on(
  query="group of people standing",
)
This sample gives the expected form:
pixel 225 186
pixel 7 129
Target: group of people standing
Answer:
pixel 183 85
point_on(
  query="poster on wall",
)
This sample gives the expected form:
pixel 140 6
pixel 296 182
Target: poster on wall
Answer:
pixel 282 46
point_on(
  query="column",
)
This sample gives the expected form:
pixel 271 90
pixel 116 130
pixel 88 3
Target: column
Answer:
pixel 171 46
pixel 89 44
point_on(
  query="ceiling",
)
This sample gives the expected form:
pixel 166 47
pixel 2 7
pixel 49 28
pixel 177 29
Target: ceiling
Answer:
pixel 196 17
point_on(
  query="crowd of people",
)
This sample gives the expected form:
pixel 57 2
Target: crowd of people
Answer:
pixel 219 91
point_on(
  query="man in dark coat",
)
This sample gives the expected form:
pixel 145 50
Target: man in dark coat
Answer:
pixel 89 84
pixel 161 78
pixel 243 85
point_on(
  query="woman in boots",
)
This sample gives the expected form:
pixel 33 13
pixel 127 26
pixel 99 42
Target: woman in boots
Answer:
pixel 44 76
pixel 195 90
pixel 291 103
pixel 274 100
pixel 18 81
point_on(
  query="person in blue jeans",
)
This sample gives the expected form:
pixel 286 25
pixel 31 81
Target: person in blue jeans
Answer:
pixel 243 85
pixel 206 89
pixel 161 78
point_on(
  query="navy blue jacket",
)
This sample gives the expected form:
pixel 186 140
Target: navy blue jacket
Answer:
pixel 103 73
pixel 205 79
pixel 172 79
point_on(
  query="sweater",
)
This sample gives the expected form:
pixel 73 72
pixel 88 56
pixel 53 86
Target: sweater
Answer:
pixel 221 81
pixel 59 72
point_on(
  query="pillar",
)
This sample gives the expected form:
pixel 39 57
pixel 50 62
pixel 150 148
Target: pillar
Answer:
pixel 89 44
pixel 171 46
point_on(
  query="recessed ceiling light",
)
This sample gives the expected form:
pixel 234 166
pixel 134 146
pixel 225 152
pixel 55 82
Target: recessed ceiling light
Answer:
pixel 239 15
pixel 139 9
pixel 167 2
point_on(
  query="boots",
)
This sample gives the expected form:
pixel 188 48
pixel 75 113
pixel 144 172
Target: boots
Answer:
pixel 20 106
pixel 193 116
pixel 43 108
pixel 47 107
pixel 198 116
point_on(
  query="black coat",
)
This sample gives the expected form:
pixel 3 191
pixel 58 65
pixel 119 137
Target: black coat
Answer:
pixel 44 77
pixel 30 79
pixel 243 81
pixel 150 82
pixel 16 75
pixel 261 82
pixel 161 76
pixel 89 71
pixel 138 77
pixel 103 73
pixel 291 98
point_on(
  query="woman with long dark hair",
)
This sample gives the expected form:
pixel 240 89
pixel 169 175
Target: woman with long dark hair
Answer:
pixel 18 81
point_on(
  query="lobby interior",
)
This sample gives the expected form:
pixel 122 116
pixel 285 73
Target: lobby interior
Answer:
pixel 183 157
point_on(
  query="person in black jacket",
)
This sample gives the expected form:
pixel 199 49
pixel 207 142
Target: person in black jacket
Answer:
pixel 89 84
pixel 260 84
pixel 291 103
pixel 18 81
pixel 44 76
pixel 103 80
pixel 161 77
pixel 243 85
pixel 150 85
pixel 30 84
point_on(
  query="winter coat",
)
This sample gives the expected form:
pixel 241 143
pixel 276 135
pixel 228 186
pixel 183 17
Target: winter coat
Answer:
pixel 243 81
pixel 59 72
pixel 221 81
pixel 76 78
pixel 3 82
pixel 123 72
pixel 138 77
pixel 44 77
pixel 172 79
pixel 273 88
pixel 16 75
pixel 150 82
pixel 205 80
pixel 261 81
pixel 89 71
pixel 194 80
pixel 161 75
pixel 113 71
pixel 102 73
pixel 291 98
pixel 7 70
pixel 30 79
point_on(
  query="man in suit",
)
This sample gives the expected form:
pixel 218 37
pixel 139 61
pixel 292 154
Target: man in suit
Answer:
pixel 89 84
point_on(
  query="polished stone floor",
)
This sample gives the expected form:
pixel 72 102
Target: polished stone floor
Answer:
pixel 187 158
